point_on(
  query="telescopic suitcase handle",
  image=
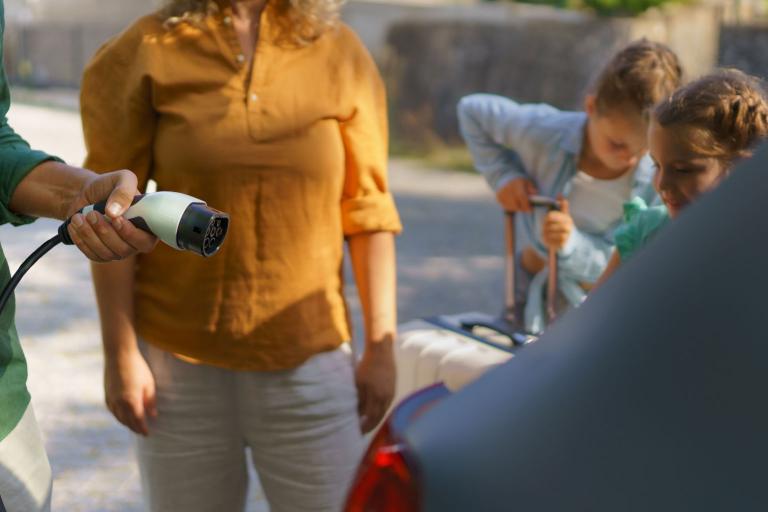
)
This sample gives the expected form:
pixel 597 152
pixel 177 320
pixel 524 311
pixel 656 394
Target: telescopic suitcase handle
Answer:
pixel 510 311
pixel 511 325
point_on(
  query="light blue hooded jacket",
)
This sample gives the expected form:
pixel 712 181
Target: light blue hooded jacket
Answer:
pixel 508 140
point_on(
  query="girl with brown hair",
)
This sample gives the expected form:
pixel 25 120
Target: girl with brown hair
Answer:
pixel 696 136
pixel 595 159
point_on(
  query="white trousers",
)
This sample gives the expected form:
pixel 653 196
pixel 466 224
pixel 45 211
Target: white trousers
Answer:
pixel 301 425
pixel 25 473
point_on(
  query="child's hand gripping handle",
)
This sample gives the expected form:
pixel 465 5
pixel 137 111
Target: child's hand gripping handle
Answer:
pixel 510 311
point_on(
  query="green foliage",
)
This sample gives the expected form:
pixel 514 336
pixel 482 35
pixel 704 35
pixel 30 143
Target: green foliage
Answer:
pixel 604 7
pixel 436 156
pixel 563 4
pixel 622 7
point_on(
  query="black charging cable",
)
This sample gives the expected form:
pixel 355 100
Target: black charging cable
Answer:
pixel 7 292
pixel 61 237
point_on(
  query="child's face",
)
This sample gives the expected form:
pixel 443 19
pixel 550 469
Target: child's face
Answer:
pixel 681 174
pixel 618 141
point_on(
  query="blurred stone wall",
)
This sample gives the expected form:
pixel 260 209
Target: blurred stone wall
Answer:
pixel 116 12
pixel 50 54
pixel 48 42
pixel 430 52
pixel 745 47
pixel 531 55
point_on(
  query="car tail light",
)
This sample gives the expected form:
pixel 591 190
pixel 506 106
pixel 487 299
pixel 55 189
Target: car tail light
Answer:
pixel 384 482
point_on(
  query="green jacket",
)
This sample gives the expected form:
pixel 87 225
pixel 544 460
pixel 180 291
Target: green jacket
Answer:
pixel 16 160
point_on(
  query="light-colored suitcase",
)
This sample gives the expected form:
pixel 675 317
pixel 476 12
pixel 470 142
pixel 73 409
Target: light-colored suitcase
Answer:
pixel 429 352
pixel 456 349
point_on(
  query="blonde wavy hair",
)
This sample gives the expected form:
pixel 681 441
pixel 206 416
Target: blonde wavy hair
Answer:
pixel 300 21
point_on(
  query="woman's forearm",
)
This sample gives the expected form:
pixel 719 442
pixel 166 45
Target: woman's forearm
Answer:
pixel 373 263
pixel 113 283
pixel 49 190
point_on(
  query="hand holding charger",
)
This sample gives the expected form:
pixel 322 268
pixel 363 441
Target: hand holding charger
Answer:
pixel 179 220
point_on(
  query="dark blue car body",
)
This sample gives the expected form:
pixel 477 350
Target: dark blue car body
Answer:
pixel 653 395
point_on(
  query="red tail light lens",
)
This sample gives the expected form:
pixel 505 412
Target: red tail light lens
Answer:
pixel 384 482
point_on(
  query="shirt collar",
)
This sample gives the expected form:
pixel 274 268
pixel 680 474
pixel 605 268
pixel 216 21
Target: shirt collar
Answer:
pixel 573 137
pixel 268 32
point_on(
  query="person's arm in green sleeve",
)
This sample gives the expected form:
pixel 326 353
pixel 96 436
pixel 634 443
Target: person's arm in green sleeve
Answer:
pixel 35 184
pixel 54 189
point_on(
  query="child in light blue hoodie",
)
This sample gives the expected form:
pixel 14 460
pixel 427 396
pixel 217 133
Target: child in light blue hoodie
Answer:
pixel 595 161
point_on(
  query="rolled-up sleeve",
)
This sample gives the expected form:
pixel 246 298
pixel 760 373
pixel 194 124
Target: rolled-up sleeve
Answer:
pixel 367 204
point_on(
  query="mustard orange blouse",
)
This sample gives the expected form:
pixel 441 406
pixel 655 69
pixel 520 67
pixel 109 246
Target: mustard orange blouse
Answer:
pixel 294 151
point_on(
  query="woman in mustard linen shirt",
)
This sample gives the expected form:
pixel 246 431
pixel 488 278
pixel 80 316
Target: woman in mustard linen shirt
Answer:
pixel 274 112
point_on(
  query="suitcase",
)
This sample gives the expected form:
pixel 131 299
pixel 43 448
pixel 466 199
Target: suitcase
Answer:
pixel 456 349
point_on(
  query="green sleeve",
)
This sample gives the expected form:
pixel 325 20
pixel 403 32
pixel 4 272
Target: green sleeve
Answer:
pixel 16 157
pixel 16 161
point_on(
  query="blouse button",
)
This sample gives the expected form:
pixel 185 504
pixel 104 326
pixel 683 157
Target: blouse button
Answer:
pixel 227 20
pixel 254 97
pixel 240 58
